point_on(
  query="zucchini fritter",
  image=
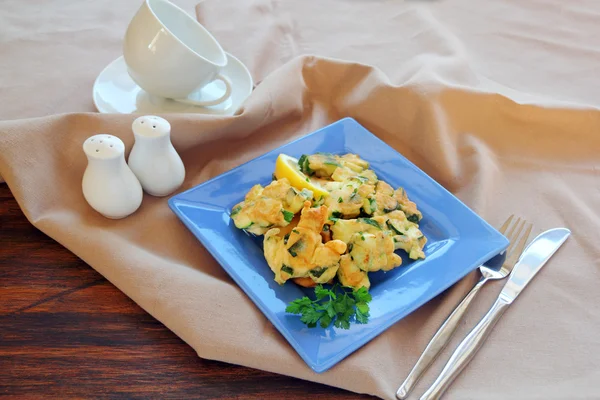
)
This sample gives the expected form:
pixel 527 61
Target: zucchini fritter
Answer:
pixel 302 253
pixel 404 233
pixel 337 168
pixel 273 205
pixel 384 198
pixel 324 165
pixel 348 199
pixel 409 207
pixel 350 275
pixel 367 252
pixel 373 251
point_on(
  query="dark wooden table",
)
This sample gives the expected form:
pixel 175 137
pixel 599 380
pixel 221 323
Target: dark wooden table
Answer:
pixel 66 332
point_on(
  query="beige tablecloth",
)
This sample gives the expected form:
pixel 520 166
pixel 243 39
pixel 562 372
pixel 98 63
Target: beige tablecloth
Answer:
pixel 496 100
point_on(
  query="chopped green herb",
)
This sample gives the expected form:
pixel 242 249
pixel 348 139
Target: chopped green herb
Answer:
pixel 288 216
pixel 236 210
pixel 340 200
pixel 325 228
pixel 336 214
pixel 317 272
pixel 303 164
pixel 287 269
pixel 350 247
pixel 295 231
pixel 362 237
pixel 373 204
pixel 293 250
pixel 354 193
pixel 285 238
pixel 371 222
pixel 319 202
pixel 273 177
pixel 389 210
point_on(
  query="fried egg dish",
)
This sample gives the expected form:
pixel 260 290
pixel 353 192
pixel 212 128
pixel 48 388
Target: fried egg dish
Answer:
pixel 327 216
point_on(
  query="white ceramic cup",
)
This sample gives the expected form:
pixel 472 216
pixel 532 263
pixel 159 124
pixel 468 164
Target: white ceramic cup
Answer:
pixel 171 55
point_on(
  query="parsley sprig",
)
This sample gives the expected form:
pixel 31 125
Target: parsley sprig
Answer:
pixel 331 305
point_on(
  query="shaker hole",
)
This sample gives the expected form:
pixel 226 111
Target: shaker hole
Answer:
pixel 153 126
pixel 92 140
pixel 141 122
pixel 111 145
pixel 101 141
pixel 97 150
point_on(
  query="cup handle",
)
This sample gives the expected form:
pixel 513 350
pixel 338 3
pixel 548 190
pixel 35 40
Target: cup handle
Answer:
pixel 214 102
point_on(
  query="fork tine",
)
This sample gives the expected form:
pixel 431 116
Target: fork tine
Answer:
pixel 511 236
pixel 515 235
pixel 506 224
pixel 514 256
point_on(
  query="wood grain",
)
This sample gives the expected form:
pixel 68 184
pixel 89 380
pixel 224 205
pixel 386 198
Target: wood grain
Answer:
pixel 66 332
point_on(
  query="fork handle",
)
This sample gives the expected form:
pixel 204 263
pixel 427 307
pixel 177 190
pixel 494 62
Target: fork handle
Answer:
pixel 466 350
pixel 438 342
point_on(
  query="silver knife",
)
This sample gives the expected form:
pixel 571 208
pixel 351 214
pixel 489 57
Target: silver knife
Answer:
pixel 531 261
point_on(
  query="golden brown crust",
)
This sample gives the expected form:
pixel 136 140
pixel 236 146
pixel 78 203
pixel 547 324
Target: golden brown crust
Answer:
pixel 307 282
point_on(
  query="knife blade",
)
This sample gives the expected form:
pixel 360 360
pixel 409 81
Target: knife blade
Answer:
pixel 534 257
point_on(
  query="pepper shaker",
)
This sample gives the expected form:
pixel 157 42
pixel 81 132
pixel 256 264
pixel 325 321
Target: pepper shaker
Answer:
pixel 153 159
pixel 109 186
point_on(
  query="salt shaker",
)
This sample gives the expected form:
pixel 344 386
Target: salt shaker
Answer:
pixel 109 185
pixel 153 159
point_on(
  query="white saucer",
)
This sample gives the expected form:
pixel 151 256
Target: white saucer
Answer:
pixel 115 92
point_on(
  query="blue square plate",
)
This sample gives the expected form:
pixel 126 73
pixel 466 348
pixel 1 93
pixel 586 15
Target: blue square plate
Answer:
pixel 458 242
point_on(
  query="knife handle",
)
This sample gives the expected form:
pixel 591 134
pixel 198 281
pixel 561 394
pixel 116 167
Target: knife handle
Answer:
pixel 438 342
pixel 466 350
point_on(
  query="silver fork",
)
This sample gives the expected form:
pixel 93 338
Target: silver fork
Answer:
pixel 489 271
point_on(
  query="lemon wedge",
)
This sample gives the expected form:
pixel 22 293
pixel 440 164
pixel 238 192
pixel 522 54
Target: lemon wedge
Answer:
pixel 287 167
